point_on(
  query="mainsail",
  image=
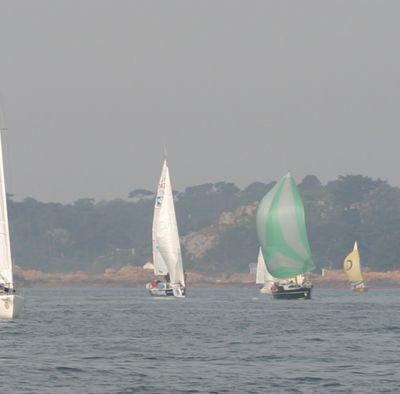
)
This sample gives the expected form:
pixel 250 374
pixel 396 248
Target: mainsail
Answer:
pixel 6 275
pixel 351 266
pixel 167 258
pixel 282 231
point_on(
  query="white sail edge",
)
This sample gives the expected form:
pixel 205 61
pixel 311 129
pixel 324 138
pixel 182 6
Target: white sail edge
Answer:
pixel 5 248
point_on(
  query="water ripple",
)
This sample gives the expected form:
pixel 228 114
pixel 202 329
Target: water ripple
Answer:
pixel 215 341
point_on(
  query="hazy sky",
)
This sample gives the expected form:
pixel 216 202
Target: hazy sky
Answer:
pixel 238 91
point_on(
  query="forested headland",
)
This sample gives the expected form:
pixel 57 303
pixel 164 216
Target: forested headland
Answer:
pixel 216 224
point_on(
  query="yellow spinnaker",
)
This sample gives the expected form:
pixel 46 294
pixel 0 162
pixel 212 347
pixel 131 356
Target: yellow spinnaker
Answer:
pixel 351 265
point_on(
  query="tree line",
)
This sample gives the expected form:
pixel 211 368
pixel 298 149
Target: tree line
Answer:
pixel 91 236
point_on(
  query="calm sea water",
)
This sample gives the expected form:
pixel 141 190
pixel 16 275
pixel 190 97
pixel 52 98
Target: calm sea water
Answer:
pixel 215 340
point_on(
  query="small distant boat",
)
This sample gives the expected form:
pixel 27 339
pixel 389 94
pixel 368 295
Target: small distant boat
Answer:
pixel 352 269
pixel 263 277
pixel 167 257
pixel 11 301
pixel 283 238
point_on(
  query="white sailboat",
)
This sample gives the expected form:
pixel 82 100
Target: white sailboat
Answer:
pixel 167 257
pixel 263 277
pixel 11 301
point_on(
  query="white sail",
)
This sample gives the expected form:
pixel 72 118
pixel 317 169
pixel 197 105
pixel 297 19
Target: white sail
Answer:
pixel 262 274
pixel 160 266
pixel 6 275
pixel 11 303
pixel 167 258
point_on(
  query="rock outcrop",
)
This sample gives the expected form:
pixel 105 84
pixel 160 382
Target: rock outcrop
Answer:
pixel 198 243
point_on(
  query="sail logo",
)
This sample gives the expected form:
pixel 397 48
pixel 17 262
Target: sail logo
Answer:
pixel 159 200
pixel 160 193
pixel 348 265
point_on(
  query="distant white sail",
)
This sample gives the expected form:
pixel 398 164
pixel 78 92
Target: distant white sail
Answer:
pixel 6 275
pixel 167 257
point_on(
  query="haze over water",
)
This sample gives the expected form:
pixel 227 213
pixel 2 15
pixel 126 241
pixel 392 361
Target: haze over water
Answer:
pixel 237 91
pixel 216 340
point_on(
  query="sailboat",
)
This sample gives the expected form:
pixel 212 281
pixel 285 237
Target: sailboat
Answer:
pixel 283 238
pixel 263 277
pixel 167 257
pixel 11 302
pixel 352 269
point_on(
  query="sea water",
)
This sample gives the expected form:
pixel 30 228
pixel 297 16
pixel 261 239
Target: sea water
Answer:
pixel 214 341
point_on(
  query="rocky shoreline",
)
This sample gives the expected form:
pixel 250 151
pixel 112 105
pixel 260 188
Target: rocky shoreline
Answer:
pixel 131 276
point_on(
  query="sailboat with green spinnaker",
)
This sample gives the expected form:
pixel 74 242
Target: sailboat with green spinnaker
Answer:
pixel 283 238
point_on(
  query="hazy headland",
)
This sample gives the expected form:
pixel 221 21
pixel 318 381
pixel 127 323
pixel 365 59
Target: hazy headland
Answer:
pixel 107 242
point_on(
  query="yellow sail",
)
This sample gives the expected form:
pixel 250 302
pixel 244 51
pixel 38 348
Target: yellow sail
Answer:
pixel 351 265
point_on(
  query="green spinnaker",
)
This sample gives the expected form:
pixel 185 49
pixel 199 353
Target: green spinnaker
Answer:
pixel 282 231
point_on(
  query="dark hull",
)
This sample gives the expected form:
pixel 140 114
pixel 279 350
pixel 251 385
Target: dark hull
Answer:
pixel 292 294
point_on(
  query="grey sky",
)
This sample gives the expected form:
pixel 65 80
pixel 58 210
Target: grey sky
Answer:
pixel 238 91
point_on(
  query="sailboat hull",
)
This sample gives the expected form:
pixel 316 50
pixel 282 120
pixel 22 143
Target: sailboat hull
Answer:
pixel 265 290
pixel 360 289
pixel 177 292
pixel 10 305
pixel 280 293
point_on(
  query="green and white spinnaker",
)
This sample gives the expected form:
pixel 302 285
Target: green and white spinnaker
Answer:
pixel 282 231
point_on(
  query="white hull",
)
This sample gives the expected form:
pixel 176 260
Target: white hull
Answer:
pixel 265 290
pixel 11 305
pixel 177 292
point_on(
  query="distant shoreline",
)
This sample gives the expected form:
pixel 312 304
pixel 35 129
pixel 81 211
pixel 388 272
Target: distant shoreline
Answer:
pixel 136 277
